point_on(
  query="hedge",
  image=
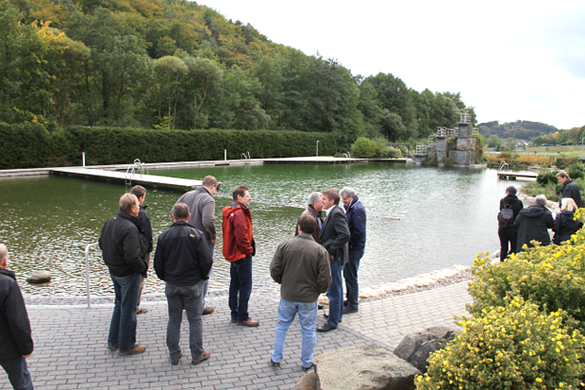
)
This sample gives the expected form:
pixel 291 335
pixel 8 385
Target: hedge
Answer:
pixel 29 145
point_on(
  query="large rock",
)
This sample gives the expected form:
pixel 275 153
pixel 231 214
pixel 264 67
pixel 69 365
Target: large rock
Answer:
pixel 39 277
pixel 363 367
pixel 308 382
pixel 415 348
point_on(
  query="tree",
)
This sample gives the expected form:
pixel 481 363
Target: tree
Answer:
pixel 203 78
pixel 511 144
pixel 494 142
pixel 170 72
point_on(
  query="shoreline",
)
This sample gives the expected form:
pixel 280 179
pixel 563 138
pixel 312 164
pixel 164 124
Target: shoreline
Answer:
pixel 429 281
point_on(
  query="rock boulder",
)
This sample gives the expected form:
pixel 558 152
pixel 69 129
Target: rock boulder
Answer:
pixel 415 348
pixel 363 367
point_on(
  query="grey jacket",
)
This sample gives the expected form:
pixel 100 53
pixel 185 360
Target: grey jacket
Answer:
pixel 301 266
pixel 335 234
pixel 202 207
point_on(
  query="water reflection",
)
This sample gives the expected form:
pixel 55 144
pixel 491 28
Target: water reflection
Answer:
pixel 446 216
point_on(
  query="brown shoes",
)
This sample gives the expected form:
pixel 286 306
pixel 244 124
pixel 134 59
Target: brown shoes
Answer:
pixel 204 356
pixel 208 310
pixel 138 349
pixel 249 322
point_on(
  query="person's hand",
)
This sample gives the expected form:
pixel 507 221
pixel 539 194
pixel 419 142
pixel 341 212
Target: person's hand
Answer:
pixel 213 241
pixel 27 356
pixel 332 257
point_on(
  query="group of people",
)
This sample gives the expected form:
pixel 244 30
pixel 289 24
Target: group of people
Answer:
pixel 526 225
pixel 315 261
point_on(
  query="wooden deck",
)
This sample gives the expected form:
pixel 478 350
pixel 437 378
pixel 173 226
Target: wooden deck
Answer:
pixel 146 180
pixel 508 175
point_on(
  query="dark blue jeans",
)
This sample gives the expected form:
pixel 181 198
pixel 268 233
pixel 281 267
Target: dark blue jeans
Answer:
pixel 240 288
pixel 508 241
pixel 350 273
pixel 188 298
pixel 123 324
pixel 18 374
pixel 335 293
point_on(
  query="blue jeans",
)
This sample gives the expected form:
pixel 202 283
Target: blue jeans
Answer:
pixel 188 298
pixel 123 324
pixel 206 285
pixel 350 273
pixel 240 288
pixel 307 317
pixel 335 293
pixel 18 374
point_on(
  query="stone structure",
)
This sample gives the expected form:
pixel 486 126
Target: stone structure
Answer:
pixel 361 367
pixel 39 277
pixel 415 348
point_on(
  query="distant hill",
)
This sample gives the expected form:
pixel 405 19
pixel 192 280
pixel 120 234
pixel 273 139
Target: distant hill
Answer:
pixel 524 130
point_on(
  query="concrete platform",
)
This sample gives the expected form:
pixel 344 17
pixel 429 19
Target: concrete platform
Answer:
pixel 70 343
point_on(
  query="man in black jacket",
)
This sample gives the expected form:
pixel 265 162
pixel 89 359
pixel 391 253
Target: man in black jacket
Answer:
pixel 334 237
pixel 183 261
pixel 16 343
pixel 140 193
pixel 570 188
pixel 123 248
pixel 509 234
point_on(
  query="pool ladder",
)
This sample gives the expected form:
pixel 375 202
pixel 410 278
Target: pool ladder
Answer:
pixel 137 166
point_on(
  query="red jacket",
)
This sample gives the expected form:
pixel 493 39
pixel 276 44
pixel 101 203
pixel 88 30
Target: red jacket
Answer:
pixel 237 232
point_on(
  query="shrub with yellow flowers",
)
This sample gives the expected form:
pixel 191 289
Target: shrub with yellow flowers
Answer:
pixel 552 277
pixel 513 346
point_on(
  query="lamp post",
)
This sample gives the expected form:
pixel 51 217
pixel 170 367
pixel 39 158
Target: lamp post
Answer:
pixel 317 148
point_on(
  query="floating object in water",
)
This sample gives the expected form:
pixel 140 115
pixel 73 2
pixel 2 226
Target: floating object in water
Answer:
pixel 39 277
pixel 394 218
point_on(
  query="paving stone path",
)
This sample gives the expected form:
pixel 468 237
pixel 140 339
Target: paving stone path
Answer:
pixel 70 343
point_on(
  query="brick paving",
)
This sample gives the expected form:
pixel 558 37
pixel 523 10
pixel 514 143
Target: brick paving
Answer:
pixel 70 343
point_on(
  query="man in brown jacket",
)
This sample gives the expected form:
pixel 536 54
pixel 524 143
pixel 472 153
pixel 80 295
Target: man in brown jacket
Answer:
pixel 301 266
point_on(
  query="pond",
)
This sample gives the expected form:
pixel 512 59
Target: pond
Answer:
pixel 419 220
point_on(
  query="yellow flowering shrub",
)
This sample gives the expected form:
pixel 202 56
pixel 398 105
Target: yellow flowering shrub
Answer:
pixel 552 277
pixel 514 346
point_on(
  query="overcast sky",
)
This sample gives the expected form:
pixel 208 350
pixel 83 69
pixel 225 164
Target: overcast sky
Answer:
pixel 511 60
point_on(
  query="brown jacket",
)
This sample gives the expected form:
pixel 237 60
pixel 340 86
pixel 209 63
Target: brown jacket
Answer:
pixel 310 210
pixel 301 266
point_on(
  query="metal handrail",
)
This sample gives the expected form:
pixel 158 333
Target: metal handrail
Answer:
pixel 131 170
pixel 504 166
pixel 87 248
pixel 246 155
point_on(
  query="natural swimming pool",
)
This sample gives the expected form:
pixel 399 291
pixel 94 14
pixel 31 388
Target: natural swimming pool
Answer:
pixel 447 216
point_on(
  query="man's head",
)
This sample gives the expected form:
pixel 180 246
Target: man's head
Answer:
pixel 347 195
pixel 330 198
pixel 511 190
pixel 242 194
pixel 3 256
pixel 541 200
pixel 180 212
pixel 315 201
pixel 139 192
pixel 129 203
pixel 210 183
pixel 307 224
pixel 563 177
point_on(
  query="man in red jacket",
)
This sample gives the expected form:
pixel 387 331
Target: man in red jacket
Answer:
pixel 238 249
pixel 16 343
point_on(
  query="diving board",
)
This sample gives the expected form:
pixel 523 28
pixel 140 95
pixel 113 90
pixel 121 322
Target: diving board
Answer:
pixel 136 178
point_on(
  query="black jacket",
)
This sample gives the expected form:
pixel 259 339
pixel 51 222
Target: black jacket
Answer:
pixel 182 255
pixel 516 204
pixel 565 226
pixel 15 335
pixel 335 234
pixel 310 210
pixel 123 245
pixel 146 227
pixel 571 190
pixel 533 223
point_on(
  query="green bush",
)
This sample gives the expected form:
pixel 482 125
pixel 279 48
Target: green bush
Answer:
pixel 364 148
pixel 505 155
pixel 514 346
pixel 29 145
pixel 547 177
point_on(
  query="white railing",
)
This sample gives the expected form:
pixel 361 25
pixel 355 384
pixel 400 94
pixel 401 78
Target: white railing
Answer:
pixel 87 248
pixel 137 165
pixel 421 149
pixel 465 118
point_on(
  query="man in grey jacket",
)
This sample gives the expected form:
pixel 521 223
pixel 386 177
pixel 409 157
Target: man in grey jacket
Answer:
pixel 202 207
pixel 301 266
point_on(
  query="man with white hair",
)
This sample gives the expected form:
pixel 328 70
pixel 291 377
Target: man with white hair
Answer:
pixel 314 209
pixel 356 220
pixel 16 343
pixel 533 223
